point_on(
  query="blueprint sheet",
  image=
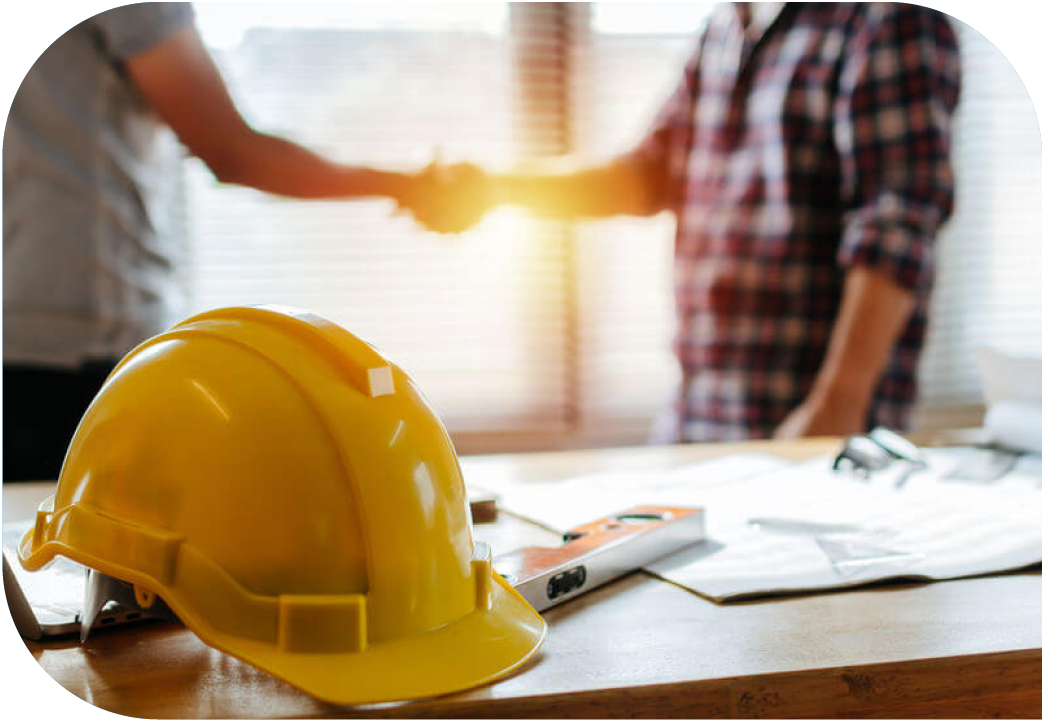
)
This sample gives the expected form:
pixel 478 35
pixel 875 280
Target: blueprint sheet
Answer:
pixel 781 527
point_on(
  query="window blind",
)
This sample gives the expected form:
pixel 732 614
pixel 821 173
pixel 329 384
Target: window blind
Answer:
pixel 987 291
pixel 629 64
pixel 476 318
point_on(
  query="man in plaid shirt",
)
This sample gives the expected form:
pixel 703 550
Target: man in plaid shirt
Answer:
pixel 806 156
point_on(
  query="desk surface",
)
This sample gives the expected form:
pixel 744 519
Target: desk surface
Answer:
pixel 642 646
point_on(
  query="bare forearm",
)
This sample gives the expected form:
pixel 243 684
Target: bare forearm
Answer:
pixel 181 82
pixel 872 314
pixel 281 167
pixel 562 189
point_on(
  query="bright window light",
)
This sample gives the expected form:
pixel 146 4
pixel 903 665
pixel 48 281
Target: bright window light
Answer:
pixel 223 24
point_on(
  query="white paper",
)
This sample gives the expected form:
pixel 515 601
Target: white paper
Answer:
pixel 564 504
pixel 1013 391
pixel 931 527
pixel 1015 425
pixel 1010 377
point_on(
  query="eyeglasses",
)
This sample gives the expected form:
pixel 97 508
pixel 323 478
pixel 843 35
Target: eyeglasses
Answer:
pixel 878 450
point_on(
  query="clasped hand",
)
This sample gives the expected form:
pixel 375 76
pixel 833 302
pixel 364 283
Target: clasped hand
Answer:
pixel 448 198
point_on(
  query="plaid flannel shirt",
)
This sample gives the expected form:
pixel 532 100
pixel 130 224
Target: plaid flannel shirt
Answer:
pixel 788 158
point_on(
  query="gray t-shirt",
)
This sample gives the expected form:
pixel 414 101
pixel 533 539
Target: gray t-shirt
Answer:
pixel 88 245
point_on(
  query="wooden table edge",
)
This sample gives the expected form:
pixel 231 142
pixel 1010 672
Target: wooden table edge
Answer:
pixel 1003 683
pixel 972 682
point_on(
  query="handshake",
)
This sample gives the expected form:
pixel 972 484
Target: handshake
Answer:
pixel 447 198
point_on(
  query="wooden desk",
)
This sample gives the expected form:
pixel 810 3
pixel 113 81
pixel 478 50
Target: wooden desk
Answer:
pixel 641 647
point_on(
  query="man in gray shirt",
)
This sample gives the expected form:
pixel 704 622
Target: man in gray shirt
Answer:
pixel 88 248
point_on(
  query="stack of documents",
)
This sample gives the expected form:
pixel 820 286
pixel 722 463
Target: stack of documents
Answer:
pixel 781 527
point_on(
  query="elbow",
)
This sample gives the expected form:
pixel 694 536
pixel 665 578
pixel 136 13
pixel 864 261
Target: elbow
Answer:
pixel 228 155
pixel 225 167
pixel 649 201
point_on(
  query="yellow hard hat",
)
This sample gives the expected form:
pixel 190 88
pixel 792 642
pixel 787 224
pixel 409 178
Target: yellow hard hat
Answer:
pixel 290 494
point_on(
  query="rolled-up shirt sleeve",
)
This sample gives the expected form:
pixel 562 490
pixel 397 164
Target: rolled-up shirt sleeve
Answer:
pixel 893 116
pixel 132 29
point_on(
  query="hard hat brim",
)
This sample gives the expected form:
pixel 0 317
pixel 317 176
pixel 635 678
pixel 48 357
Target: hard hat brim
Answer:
pixel 479 648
